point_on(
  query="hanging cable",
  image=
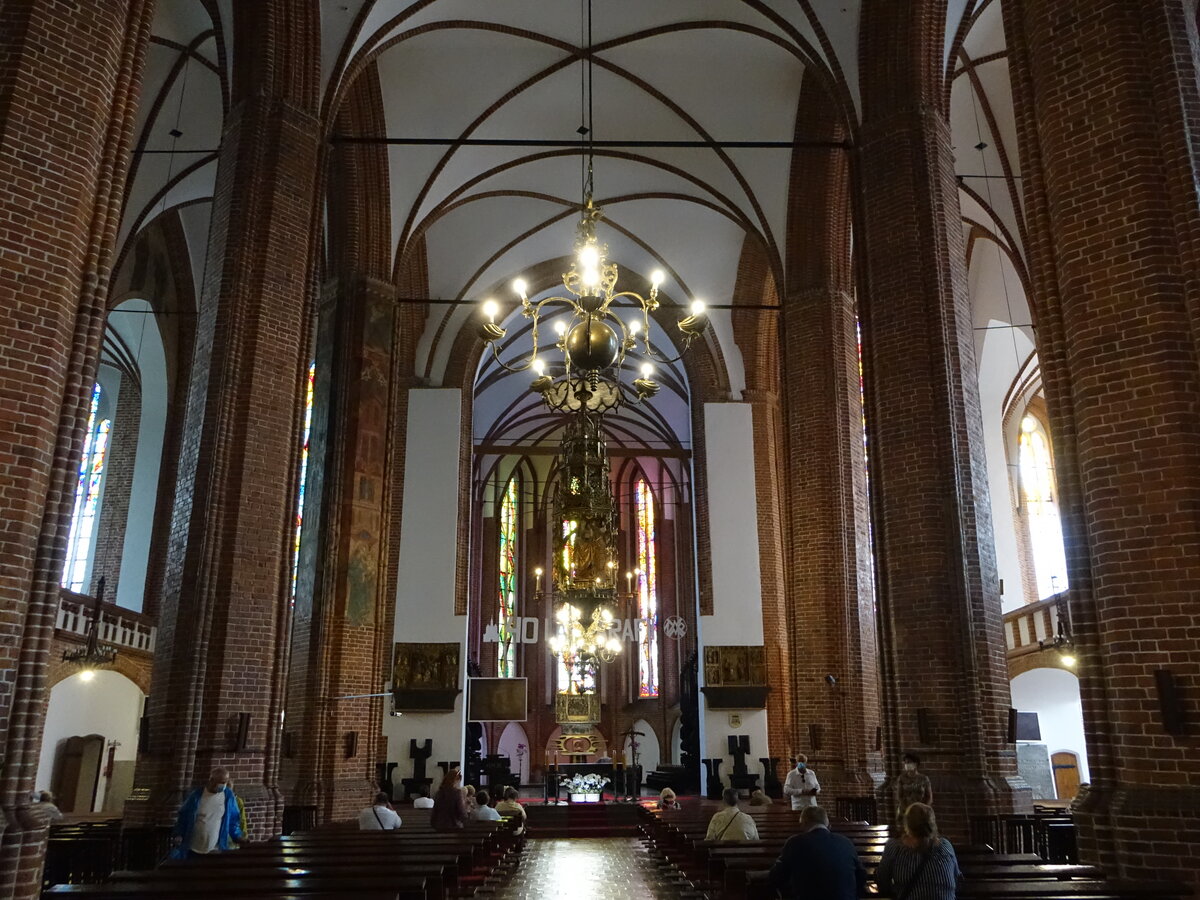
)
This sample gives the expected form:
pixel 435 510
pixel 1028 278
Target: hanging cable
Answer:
pixel 981 146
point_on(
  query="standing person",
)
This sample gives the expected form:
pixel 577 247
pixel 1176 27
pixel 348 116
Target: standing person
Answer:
pixel 911 787
pixel 817 864
pixel 509 807
pixel 801 784
pixel 423 800
pixel 920 864
pixel 731 824
pixel 484 811
pixel 449 804
pixel 380 816
pixel 209 819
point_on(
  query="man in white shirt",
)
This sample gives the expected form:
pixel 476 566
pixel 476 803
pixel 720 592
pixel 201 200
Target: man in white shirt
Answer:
pixel 209 820
pixel 423 800
pixel 731 824
pixel 380 816
pixel 801 784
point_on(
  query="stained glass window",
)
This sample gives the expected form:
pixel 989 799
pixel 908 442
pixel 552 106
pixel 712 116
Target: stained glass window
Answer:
pixel 1041 509
pixel 308 410
pixel 87 496
pixel 506 662
pixel 647 591
pixel 575 674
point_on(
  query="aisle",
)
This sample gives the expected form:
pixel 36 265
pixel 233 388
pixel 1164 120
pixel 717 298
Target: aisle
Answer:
pixel 600 868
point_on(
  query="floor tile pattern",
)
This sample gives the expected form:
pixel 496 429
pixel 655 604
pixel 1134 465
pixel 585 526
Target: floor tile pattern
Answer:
pixel 590 869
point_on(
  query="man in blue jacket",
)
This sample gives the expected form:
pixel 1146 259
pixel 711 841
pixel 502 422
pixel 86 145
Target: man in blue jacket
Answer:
pixel 818 864
pixel 209 820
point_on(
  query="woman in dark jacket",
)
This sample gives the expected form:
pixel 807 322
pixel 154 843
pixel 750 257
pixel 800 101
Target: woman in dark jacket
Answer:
pixel 919 865
pixel 449 805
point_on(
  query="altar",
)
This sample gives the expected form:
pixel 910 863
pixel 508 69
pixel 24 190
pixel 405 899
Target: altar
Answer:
pixel 624 781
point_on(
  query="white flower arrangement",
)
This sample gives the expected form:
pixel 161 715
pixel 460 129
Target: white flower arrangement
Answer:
pixel 591 783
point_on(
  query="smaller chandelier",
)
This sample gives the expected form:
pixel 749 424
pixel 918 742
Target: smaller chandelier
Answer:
pixel 92 655
pixel 594 339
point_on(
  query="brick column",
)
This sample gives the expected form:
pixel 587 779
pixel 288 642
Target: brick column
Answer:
pixel 118 486
pixel 339 644
pixel 1107 103
pixel 224 616
pixel 831 619
pixel 67 111
pixel 945 682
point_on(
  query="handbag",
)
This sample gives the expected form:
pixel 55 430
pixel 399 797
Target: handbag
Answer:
pixel 912 882
pixel 727 824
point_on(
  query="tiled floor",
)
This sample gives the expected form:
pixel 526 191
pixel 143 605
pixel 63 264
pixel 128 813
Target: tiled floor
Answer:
pixel 599 868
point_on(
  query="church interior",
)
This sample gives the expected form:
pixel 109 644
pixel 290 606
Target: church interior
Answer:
pixel 601 397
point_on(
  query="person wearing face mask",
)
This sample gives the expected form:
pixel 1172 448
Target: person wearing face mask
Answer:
pixel 801 784
pixel 209 820
pixel 911 786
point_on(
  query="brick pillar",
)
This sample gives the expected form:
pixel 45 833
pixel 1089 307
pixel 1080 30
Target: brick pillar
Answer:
pixel 224 616
pixel 831 619
pixel 339 647
pixel 67 111
pixel 118 485
pixel 1106 99
pixel 945 682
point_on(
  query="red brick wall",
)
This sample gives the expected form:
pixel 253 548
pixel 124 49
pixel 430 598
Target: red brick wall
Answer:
pixel 1106 98
pixel 68 81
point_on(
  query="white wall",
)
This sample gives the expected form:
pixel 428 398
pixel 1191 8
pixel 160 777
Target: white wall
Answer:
pixel 511 738
pixel 1054 695
pixel 110 705
pixel 139 330
pixel 649 753
pixel 736 574
pixel 428 559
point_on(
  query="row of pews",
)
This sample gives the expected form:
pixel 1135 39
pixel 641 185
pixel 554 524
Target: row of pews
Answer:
pixel 412 863
pixel 738 871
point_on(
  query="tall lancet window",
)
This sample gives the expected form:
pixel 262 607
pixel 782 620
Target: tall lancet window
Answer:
pixel 647 591
pixel 309 381
pixel 87 496
pixel 506 660
pixel 575 675
pixel 1041 508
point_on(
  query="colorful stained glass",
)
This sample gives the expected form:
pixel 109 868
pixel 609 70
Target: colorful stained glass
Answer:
pixel 575 674
pixel 647 591
pixel 309 383
pixel 1041 509
pixel 506 661
pixel 87 496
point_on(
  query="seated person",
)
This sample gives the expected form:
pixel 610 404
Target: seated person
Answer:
pixel 818 864
pixel 472 800
pixel 509 807
pixel 731 824
pixel 380 816
pixel 422 800
pixel 666 800
pixel 758 798
pixel 450 804
pixel 485 813
pixel 43 805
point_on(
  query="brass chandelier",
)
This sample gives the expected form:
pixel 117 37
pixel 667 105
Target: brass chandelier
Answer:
pixel 604 329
